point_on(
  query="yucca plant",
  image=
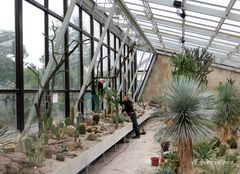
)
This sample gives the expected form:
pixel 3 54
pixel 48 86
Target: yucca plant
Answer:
pixel 228 105
pixel 204 151
pixel 190 107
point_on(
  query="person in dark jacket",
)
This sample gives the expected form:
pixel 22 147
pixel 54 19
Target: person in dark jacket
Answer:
pixel 128 108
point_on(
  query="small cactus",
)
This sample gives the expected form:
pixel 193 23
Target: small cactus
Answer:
pixel 82 128
pixel 96 119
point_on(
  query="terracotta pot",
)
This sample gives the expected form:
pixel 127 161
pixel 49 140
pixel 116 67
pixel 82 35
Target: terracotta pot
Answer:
pixel 155 161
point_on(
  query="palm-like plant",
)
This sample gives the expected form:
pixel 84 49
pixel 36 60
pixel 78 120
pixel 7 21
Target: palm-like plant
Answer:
pixel 190 106
pixel 226 118
pixel 195 63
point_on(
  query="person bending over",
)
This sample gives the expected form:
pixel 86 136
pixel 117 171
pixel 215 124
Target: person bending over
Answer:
pixel 128 107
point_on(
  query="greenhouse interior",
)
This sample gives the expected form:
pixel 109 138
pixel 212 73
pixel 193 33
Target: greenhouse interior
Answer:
pixel 119 86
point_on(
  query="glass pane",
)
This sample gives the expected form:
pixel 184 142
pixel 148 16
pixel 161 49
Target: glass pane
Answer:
pixel 106 36
pixel 98 64
pixel 96 29
pixel 86 56
pixel 74 60
pixel 117 44
pixel 86 22
pixel 112 59
pixel 40 1
pixel 111 40
pixel 7 45
pixel 28 102
pixel 75 16
pixel 34 49
pixel 105 61
pixel 56 6
pixel 58 106
pixel 8 110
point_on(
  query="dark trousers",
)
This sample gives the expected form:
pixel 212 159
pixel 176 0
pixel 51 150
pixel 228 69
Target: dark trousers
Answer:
pixel 133 117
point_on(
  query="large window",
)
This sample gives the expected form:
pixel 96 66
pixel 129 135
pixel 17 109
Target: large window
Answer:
pixel 33 53
pixel 86 19
pixel 7 45
pixel 8 110
pixel 74 60
pixel 86 55
pixel 56 6
pixel 28 42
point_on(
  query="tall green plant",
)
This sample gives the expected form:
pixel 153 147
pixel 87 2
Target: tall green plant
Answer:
pixel 228 105
pixel 194 63
pixel 190 107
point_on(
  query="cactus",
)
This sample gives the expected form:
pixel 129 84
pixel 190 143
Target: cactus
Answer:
pixel 68 121
pixel 57 131
pixel 96 118
pixel 82 128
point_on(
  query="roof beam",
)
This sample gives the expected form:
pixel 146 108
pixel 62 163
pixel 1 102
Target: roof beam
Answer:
pixel 199 9
pixel 196 30
pixel 149 14
pixel 227 11
pixel 132 20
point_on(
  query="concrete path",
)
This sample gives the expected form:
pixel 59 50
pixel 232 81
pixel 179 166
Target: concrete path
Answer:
pixel 130 158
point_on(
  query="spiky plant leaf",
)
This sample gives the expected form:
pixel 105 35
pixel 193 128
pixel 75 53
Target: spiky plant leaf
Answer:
pixel 190 107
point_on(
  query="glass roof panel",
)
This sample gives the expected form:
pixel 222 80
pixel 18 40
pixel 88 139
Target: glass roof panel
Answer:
pixel 217 50
pixel 201 21
pixel 230 32
pixel 207 17
pixel 216 2
pixel 163 7
pixel 235 11
pixel 193 44
pixel 170 29
pixel 230 27
pixel 231 22
pixel 168 19
pixel 214 7
pixel 146 27
pixel 135 12
pixel 165 13
pixel 196 35
pixel 135 7
pixel 200 26
pixel 225 41
pixel 197 39
pixel 227 47
pixel 237 5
